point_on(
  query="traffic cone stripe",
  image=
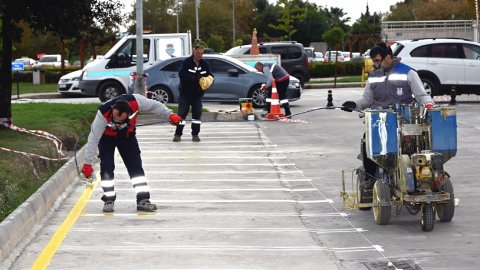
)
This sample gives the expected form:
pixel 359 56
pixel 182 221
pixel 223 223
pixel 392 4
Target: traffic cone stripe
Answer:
pixel 275 111
pixel 274 102
pixel 283 101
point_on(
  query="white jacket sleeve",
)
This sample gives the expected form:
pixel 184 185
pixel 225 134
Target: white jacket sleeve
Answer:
pixel 367 99
pixel 417 88
pixel 268 74
pixel 96 132
pixel 152 106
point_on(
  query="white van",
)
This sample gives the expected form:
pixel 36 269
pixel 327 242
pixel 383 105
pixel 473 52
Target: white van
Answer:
pixel 108 77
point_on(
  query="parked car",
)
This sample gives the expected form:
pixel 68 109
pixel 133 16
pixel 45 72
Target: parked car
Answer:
pixel 318 57
pixel 442 64
pixel 346 56
pixel 313 56
pixel 332 56
pixel 51 60
pixel 233 80
pixel 366 54
pixel 68 83
pixel 27 62
pixel 293 57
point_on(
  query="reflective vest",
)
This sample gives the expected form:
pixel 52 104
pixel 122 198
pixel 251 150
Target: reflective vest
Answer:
pixel 391 87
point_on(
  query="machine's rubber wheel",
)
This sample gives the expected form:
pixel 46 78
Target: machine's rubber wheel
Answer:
pixel 381 194
pixel 161 94
pixel 445 211
pixel 109 90
pixel 427 220
pixel 364 196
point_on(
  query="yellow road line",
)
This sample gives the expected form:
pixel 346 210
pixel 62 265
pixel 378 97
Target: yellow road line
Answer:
pixel 46 256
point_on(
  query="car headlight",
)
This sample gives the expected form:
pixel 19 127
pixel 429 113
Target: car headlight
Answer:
pixel 294 84
pixel 75 79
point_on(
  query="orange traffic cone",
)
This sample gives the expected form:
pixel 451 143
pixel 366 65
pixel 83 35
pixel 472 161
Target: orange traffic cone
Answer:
pixel 275 111
pixel 254 50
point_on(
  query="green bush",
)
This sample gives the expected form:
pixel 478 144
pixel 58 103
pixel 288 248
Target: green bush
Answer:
pixel 52 74
pixel 322 70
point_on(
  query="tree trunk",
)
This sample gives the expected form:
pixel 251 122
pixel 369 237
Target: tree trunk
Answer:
pixel 62 56
pixel 6 69
pixel 81 49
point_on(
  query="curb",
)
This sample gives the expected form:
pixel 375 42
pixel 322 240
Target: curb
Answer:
pixel 21 225
pixel 206 117
pixel 330 85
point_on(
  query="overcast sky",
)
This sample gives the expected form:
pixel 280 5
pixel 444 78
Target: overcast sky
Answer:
pixel 353 8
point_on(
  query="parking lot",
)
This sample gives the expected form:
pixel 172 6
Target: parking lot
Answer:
pixel 263 195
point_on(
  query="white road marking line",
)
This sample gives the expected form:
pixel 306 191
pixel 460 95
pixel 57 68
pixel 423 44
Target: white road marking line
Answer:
pixel 209 151
pixel 217 214
pixel 220 180
pixel 227 201
pixel 222 248
pixel 212 172
pixel 208 132
pixel 222 189
pixel 212 157
pixel 157 136
pixel 218 164
pixel 136 229
pixel 203 143
pixel 202 146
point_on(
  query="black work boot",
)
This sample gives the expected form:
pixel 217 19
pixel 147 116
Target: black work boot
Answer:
pixel 146 205
pixel 108 207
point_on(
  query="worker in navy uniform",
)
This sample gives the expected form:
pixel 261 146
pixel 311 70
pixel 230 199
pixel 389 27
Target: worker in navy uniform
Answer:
pixel 392 82
pixel 114 127
pixel 282 79
pixel 192 70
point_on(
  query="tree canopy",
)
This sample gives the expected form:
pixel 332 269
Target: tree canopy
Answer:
pixel 64 19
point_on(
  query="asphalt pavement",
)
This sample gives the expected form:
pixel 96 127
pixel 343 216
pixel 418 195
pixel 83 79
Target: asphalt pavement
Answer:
pixel 255 195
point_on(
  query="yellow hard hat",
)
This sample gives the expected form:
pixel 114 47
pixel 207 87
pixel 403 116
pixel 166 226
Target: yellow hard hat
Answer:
pixel 206 82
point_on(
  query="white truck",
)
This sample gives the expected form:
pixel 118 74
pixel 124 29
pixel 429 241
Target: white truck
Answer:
pixel 109 77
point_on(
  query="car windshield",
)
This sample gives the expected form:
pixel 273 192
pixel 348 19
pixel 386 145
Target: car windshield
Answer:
pixel 396 48
pixel 309 52
pixel 240 50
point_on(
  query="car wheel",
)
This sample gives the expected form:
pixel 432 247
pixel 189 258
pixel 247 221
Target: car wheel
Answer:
pixel 258 96
pixel 431 87
pixel 109 90
pixel 161 94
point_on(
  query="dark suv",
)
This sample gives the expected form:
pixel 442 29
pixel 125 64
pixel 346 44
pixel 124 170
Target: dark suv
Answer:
pixel 293 57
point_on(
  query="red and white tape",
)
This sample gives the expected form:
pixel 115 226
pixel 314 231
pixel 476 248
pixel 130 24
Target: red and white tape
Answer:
pixel 39 133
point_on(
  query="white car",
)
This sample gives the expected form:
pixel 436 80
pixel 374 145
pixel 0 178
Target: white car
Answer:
pixel 51 60
pixel 442 64
pixel 332 56
pixel 68 83
pixel 26 61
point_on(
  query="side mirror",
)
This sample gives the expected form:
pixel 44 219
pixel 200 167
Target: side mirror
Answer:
pixel 233 72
